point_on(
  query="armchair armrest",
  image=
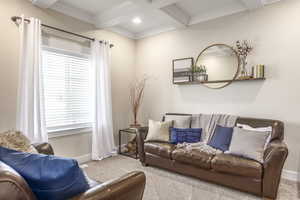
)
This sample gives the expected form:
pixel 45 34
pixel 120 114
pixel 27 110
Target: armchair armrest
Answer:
pixel 274 158
pixel 141 136
pixel 131 186
pixel 12 185
pixel 44 148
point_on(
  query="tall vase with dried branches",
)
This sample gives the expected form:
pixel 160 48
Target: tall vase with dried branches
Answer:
pixel 136 96
pixel 243 49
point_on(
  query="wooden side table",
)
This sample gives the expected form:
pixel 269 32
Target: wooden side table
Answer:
pixel 130 131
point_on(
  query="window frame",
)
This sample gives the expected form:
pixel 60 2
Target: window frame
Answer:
pixel 66 130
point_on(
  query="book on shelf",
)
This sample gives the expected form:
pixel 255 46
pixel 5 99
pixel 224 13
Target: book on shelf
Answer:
pixel 258 71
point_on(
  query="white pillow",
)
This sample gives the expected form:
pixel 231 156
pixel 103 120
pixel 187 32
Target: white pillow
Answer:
pixel 259 129
pixel 248 143
pixel 159 131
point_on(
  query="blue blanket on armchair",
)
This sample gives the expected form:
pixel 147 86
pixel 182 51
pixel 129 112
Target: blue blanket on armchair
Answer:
pixel 49 177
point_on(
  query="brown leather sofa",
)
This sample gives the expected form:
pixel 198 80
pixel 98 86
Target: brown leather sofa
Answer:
pixel 129 187
pixel 232 171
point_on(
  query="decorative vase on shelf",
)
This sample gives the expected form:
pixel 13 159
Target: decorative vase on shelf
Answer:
pixel 243 72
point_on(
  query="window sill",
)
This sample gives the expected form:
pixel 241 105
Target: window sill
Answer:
pixel 63 133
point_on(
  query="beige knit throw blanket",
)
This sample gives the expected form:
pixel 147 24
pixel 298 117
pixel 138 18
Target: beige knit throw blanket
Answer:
pixel 208 124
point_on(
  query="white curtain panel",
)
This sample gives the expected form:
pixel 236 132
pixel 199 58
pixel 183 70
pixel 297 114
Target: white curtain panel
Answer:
pixel 30 109
pixel 102 140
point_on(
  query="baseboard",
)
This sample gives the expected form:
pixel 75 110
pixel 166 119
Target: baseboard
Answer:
pixel 83 158
pixel 290 175
pixel 88 157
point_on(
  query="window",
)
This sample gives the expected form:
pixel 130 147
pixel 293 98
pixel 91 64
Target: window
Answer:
pixel 67 89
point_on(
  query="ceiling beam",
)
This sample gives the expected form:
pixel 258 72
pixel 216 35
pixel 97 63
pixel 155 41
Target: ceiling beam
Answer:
pixel 129 9
pixel 177 14
pixel 121 13
pixel 162 3
pixel 73 12
pixel 44 3
pixel 168 8
pixel 253 4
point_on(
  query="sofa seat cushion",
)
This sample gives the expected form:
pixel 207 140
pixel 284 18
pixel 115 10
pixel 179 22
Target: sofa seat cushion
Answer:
pixel 195 157
pixel 236 166
pixel 159 148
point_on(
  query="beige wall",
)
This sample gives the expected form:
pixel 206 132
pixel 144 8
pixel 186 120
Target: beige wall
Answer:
pixel 123 63
pixel 275 33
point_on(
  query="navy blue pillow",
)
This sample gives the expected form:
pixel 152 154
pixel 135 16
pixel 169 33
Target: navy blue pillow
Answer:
pixel 189 135
pixel 49 177
pixel 221 138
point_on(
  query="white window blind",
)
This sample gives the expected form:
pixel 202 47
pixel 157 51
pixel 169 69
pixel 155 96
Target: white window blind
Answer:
pixel 67 89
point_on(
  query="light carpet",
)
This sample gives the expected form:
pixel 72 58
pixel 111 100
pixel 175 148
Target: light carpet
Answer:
pixel 164 185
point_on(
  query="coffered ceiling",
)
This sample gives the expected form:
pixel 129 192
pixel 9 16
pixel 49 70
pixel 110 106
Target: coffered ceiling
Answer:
pixel 156 15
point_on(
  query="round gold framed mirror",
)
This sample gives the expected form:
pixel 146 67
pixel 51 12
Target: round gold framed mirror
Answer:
pixel 217 66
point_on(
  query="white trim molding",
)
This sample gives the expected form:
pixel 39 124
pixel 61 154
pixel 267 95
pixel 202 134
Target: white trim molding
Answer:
pixel 290 175
pixel 83 159
pixel 44 3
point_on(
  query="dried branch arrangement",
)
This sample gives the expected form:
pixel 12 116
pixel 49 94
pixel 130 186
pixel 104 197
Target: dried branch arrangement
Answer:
pixel 136 95
pixel 243 48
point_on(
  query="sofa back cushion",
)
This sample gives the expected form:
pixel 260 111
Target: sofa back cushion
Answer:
pixel 49 177
pixel 188 135
pixel 179 121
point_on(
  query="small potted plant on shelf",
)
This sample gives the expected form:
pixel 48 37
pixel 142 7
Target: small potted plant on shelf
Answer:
pixel 199 73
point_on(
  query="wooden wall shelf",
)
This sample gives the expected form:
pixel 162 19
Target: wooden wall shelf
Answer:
pixel 218 81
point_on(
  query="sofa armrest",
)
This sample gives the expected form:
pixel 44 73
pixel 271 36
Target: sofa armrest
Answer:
pixel 131 186
pixel 12 185
pixel 44 148
pixel 274 158
pixel 141 136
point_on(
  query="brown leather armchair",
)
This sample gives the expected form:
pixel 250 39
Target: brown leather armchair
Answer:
pixel 129 187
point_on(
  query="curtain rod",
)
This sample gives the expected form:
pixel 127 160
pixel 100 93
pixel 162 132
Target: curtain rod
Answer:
pixel 16 18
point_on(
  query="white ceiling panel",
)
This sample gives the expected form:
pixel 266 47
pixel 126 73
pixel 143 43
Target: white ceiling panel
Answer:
pixel 93 6
pixel 197 7
pixel 157 15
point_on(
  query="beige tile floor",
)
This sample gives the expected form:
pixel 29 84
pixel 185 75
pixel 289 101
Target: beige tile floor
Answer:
pixel 164 185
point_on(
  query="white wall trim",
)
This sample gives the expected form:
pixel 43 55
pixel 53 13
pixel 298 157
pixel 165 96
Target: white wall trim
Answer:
pixel 290 175
pixel 122 32
pixel 88 157
pixel 83 158
pixel 44 3
pixel 154 32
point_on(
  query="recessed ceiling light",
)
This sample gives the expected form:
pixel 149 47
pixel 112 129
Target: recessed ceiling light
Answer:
pixel 136 20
